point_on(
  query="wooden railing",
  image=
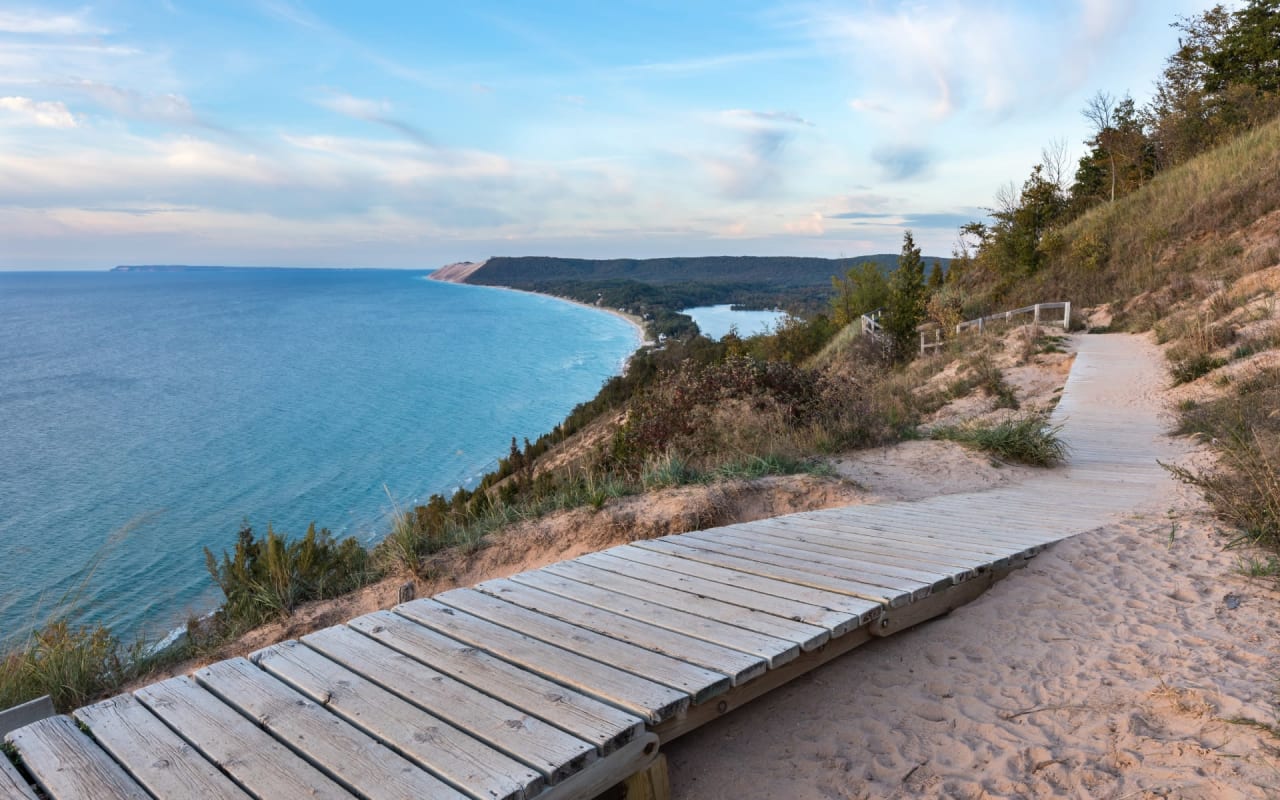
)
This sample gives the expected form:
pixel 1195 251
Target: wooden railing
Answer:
pixel 1036 311
pixel 871 322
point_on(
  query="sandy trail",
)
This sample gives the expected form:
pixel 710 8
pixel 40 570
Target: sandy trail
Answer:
pixel 1132 661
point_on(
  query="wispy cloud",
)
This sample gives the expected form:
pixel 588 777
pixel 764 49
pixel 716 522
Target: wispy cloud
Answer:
pixel 715 62
pixel 947 220
pixel 752 166
pixel 939 57
pixel 375 111
pixel 44 23
pixel 132 104
pixel 44 113
pixel 902 162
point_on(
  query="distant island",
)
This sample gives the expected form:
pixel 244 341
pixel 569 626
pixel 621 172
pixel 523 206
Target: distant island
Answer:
pixel 180 268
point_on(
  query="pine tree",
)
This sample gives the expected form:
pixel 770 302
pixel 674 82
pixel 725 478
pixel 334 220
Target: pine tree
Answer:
pixel 905 309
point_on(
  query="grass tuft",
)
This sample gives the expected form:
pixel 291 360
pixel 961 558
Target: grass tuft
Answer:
pixel 1025 439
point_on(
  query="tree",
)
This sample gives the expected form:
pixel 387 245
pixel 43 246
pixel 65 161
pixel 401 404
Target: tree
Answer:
pixel 906 303
pixel 1248 53
pixel 1012 247
pixel 1223 78
pixel 862 290
pixel 1121 155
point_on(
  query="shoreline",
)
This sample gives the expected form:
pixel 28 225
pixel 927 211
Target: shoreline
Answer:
pixel 642 335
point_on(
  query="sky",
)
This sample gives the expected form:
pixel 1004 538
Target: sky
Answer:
pixel 388 134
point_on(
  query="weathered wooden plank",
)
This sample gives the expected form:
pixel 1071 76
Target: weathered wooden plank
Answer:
pixel 68 764
pixel 591 720
pixel 446 751
pixel 896 528
pixel 901 577
pixel 605 773
pixel 933 558
pixel 793 570
pixel 672 559
pixel 592 607
pixel 992 522
pixel 830 623
pixel 978 528
pixel 12 785
pixel 908 543
pixel 634 597
pixel 23 714
pixel 549 750
pixel 154 755
pixel 357 761
pixel 650 659
pixel 259 763
pixel 743 545
pixel 651 701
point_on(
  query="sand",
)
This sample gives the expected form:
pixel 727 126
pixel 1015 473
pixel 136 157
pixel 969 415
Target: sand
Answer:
pixel 1133 661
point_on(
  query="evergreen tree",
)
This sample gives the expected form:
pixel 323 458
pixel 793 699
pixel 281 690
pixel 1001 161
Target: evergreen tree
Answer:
pixel 906 303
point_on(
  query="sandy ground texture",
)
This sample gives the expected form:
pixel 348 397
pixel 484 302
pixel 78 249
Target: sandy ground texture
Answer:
pixel 1133 661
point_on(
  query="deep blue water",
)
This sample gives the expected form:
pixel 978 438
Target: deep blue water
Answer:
pixel 144 416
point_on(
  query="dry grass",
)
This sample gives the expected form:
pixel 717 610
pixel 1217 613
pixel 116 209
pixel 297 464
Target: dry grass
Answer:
pixel 1192 220
pixel 1244 427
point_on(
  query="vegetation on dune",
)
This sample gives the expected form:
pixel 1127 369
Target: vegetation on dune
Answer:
pixel 1244 487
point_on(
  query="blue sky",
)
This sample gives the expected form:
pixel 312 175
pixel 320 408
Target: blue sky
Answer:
pixel 306 133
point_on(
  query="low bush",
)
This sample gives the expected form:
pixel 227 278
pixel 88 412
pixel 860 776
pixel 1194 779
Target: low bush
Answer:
pixel 1194 367
pixel 1026 439
pixel 268 578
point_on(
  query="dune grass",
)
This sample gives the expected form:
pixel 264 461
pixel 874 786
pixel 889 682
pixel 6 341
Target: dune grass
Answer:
pixel 1244 487
pixel 1182 226
pixel 1023 439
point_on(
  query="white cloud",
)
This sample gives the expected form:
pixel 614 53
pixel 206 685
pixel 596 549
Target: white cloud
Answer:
pixel 936 58
pixel 357 107
pixel 377 112
pixel 44 113
pixel 132 104
pixel 811 225
pixel 35 22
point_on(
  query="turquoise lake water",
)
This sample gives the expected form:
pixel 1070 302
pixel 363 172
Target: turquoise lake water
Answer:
pixel 144 416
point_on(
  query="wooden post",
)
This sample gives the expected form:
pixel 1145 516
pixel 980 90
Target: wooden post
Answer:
pixel 25 714
pixel 651 783
pixel 1066 316
pixel 1036 319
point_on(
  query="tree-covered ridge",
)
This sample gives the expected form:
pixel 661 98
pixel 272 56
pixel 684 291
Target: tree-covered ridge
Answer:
pixel 657 289
pixel 707 270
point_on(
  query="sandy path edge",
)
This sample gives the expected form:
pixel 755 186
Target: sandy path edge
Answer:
pixel 1123 662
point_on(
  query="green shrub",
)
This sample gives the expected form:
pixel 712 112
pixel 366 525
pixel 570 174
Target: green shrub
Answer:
pixel 1026 439
pixel 268 578
pixel 1193 367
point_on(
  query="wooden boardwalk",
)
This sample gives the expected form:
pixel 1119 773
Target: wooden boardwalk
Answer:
pixel 562 681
